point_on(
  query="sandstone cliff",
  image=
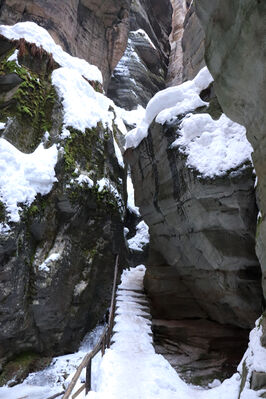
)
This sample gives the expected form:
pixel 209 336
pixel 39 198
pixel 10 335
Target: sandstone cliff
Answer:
pixel 84 29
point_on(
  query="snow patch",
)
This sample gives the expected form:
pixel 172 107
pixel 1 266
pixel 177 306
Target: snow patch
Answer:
pixel 45 266
pixel 141 238
pixel 168 103
pixel 80 287
pixel 22 176
pixel 142 33
pixel 131 197
pixel 2 126
pixel 213 146
pixel 84 179
pixel 83 106
pixel 14 57
pixel 34 33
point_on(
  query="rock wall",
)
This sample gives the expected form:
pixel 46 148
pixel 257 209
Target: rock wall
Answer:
pixel 202 263
pixel 235 55
pixel 57 261
pixel 175 69
pixel 82 27
pixel 142 70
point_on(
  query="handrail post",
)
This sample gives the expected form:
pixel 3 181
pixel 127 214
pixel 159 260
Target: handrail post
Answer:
pixel 88 377
pixel 112 307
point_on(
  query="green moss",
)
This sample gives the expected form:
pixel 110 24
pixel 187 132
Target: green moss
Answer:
pixel 32 103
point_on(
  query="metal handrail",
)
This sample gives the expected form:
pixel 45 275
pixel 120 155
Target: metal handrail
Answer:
pixel 102 344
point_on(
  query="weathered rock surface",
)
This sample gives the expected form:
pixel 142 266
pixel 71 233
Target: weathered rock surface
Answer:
pixel 192 45
pixel 48 308
pixel 202 259
pixel 97 33
pixel 175 68
pixel 187 44
pixel 235 55
pixel 141 71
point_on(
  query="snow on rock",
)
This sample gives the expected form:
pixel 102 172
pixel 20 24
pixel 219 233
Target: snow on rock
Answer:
pixel 254 359
pixel 53 379
pixel 45 266
pixel 130 197
pixel 84 179
pixel 34 33
pixel 213 146
pixel 105 184
pixel 83 106
pixel 133 117
pixel 118 153
pixel 22 176
pixel 141 238
pixel 142 33
pixel 170 102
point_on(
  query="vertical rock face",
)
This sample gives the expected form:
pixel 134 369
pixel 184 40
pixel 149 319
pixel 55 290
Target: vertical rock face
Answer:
pixel 240 80
pixel 235 54
pixel 202 263
pixel 175 69
pixel 141 71
pixel 57 259
pixel 97 33
pixel 192 45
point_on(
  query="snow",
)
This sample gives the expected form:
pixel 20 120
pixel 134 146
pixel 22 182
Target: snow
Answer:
pixel 2 125
pixel 4 228
pixel 254 358
pixel 105 183
pixel 84 179
pixel 118 154
pixel 52 380
pixel 141 238
pixel 45 266
pixel 83 106
pixel 133 117
pixel 22 176
pixel 131 369
pixel 213 146
pixel 34 33
pixel 130 197
pixel 169 103
pixel 14 57
pixel 142 33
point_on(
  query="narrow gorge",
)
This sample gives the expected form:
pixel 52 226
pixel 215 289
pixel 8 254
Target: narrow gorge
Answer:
pixel 134 127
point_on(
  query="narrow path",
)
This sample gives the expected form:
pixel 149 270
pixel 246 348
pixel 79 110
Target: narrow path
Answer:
pixel 131 369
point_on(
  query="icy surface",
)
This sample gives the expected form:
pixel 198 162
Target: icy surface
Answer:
pixel 131 369
pixel 213 146
pixel 141 238
pixel 34 33
pixel 170 102
pixel 131 199
pixel 42 384
pixel 22 176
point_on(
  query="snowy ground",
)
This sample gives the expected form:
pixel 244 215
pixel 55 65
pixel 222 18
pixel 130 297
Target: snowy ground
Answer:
pixel 131 369
pixel 52 380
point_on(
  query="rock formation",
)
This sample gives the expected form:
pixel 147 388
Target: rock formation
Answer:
pixel 142 70
pixel 57 257
pixel 234 53
pixel 82 27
